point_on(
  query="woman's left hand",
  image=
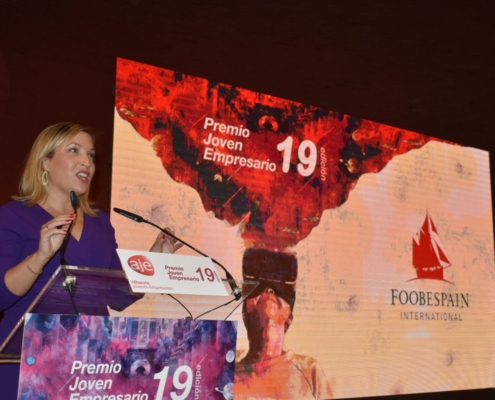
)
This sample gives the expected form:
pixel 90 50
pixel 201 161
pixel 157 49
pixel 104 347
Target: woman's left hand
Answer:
pixel 166 244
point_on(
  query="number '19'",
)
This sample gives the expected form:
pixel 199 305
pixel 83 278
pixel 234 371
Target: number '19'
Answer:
pixel 178 384
pixel 306 153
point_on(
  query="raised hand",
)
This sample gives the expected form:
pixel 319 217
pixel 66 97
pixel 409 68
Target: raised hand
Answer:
pixel 52 235
pixel 165 243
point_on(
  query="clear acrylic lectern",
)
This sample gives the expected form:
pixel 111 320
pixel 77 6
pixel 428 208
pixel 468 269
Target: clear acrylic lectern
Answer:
pixel 107 292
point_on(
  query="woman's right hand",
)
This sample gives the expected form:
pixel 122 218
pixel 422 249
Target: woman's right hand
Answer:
pixel 52 235
pixel 20 278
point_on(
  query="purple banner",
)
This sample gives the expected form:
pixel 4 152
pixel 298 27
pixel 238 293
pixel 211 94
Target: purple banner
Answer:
pixel 122 358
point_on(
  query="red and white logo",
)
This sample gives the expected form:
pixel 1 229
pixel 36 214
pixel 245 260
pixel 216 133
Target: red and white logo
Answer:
pixel 429 257
pixel 142 265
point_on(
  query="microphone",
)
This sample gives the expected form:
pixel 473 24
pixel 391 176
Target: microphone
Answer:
pixel 74 200
pixel 236 292
pixel 70 280
pixel 130 215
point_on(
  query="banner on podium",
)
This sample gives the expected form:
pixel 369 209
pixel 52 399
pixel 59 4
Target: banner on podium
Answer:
pixel 171 273
pixel 121 358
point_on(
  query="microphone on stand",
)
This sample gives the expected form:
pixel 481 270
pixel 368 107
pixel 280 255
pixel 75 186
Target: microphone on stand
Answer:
pixel 70 280
pixel 236 292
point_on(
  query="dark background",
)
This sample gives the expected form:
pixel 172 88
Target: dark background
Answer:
pixel 425 66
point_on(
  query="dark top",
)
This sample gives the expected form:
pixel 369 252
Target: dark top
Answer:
pixel 19 237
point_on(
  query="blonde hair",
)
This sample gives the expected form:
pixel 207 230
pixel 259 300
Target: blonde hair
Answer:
pixel 31 188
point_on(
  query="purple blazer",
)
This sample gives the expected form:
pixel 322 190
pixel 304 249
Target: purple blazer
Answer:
pixel 19 237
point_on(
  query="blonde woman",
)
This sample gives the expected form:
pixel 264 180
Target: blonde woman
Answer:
pixel 33 226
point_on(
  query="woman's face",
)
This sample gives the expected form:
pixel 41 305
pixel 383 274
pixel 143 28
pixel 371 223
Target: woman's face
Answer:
pixel 72 166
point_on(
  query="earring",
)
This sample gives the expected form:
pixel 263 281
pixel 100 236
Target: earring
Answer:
pixel 44 178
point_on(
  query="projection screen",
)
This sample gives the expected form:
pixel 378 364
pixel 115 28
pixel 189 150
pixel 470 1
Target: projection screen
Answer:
pixel 373 244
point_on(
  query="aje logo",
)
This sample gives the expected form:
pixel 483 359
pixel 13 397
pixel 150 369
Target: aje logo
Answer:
pixel 141 264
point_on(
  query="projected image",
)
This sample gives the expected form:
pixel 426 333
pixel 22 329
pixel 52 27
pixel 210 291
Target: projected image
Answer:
pixel 390 232
pixel 268 369
pixel 269 164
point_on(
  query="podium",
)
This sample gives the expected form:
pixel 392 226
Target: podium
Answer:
pixel 102 292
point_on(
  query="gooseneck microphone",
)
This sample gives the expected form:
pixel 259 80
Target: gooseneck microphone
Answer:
pixel 136 218
pixel 70 280
pixel 236 292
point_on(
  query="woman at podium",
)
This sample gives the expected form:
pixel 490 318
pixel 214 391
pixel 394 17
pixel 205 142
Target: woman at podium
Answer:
pixel 34 225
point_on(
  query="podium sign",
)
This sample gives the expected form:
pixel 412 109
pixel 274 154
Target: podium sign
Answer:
pixel 171 273
pixel 118 358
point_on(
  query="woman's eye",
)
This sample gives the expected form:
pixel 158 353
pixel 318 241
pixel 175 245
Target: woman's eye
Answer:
pixel 92 156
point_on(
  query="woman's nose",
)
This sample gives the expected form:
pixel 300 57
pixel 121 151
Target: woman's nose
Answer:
pixel 85 160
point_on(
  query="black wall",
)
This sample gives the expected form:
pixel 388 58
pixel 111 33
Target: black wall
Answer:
pixel 425 66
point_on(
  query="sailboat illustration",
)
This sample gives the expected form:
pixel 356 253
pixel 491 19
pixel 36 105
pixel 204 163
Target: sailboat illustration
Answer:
pixel 429 257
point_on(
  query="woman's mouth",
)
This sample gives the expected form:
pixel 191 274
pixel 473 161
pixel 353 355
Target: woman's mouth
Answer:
pixel 83 176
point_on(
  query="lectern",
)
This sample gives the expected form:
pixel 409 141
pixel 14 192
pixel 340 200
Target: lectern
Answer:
pixel 102 292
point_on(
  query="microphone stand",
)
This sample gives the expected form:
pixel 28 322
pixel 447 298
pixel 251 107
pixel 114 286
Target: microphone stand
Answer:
pixel 70 280
pixel 236 292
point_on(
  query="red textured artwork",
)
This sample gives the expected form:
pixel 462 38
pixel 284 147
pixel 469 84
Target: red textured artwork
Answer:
pixel 271 164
